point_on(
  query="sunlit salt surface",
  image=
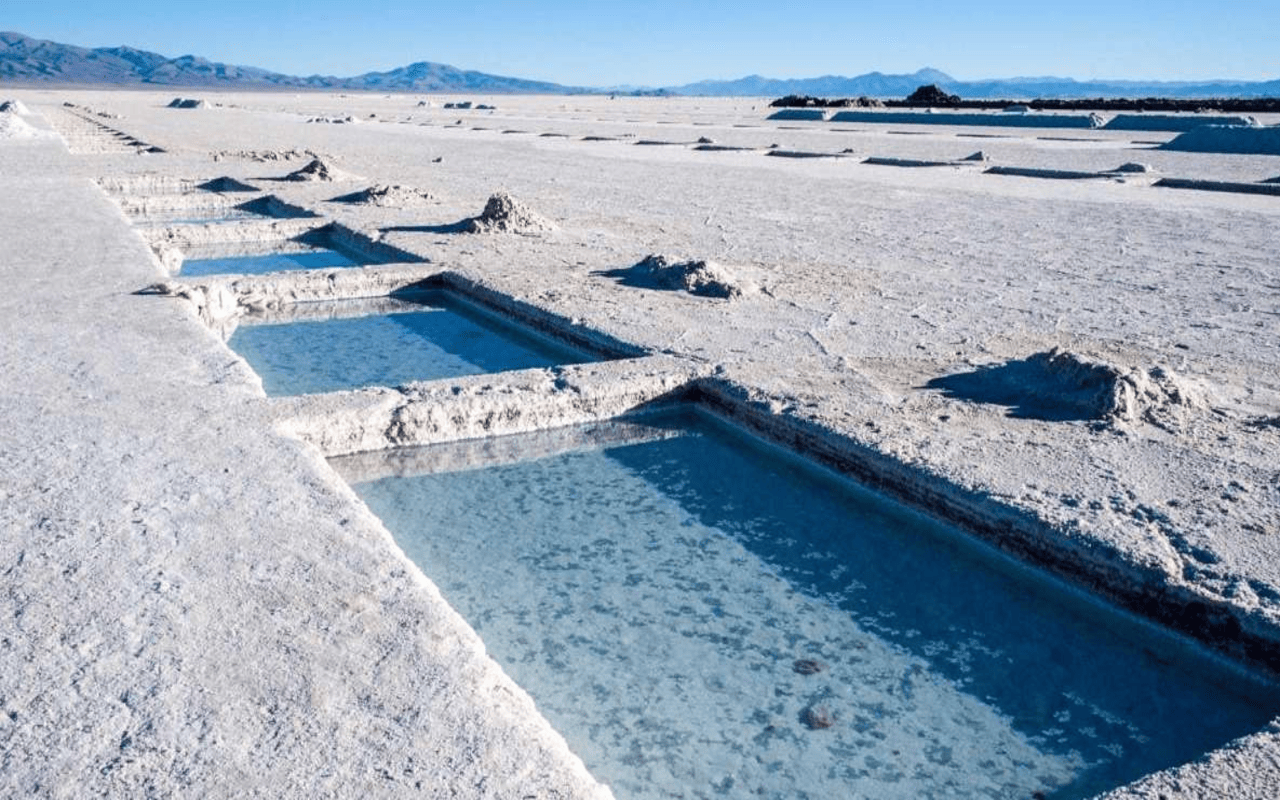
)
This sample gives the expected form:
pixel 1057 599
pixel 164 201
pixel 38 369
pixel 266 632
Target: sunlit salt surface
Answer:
pixel 296 256
pixel 661 587
pixel 328 347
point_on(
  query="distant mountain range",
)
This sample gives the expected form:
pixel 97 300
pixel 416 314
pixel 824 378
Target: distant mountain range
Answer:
pixel 27 61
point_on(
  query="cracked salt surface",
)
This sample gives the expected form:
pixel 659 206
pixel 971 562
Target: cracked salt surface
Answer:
pixel 428 337
pixel 701 616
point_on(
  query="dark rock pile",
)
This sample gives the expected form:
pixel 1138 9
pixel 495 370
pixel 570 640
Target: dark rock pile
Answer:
pixel 807 101
pixel 932 96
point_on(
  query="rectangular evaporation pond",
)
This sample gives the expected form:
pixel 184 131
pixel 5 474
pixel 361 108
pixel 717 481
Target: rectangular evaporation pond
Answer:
pixel 327 347
pixel 701 614
pixel 260 258
pixel 202 215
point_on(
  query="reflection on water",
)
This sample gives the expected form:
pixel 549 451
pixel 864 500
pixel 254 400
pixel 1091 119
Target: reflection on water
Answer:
pixel 688 610
pixel 297 257
pixel 194 216
pixel 440 338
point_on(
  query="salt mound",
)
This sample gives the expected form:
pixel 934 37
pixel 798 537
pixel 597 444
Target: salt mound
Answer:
pixel 1157 396
pixel 702 278
pixel 1228 139
pixel 978 156
pixel 320 171
pixel 14 107
pixel 1135 167
pixel 1060 385
pixel 505 214
pixel 386 197
pixel 262 156
pixel 187 102
pixel 13 126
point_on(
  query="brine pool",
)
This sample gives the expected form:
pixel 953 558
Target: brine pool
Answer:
pixel 703 615
pixel 208 261
pixel 426 336
pixel 195 216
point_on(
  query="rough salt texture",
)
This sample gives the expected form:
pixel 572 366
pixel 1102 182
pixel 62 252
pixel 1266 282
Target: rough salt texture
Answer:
pixel 1062 385
pixel 701 278
pixel 13 126
pixel 196 604
pixel 1247 769
pixel 172 624
pixel 505 214
pixel 384 196
pixel 263 156
pixel 319 170
pixel 481 406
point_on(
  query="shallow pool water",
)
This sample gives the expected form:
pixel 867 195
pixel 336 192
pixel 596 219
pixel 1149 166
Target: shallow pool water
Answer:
pixel 431 336
pixel 257 263
pixel 194 216
pixel 701 615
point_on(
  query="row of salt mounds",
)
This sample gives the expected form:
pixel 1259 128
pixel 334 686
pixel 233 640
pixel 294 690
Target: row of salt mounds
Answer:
pixel 14 107
pixel 1237 139
pixel 1059 385
pixel 1173 122
pixel 992 120
pixel 384 196
pixel 701 278
pixel 187 102
pixel 505 214
pixel 800 114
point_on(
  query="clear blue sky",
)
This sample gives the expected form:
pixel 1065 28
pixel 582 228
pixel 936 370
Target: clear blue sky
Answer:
pixel 669 42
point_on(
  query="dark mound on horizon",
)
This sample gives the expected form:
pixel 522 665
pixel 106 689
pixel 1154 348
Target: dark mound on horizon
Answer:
pixel 932 96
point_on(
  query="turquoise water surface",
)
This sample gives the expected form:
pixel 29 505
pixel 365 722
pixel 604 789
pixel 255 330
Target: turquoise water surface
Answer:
pixel 268 261
pixel 702 615
pixel 433 337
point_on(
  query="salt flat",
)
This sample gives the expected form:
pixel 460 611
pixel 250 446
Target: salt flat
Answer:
pixel 196 604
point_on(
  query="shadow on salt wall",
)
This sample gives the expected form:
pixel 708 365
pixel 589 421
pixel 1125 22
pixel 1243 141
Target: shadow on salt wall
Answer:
pixel 1175 123
pixel 800 114
pixel 461 226
pixel 1051 387
pixel 993 120
pixel 1261 141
